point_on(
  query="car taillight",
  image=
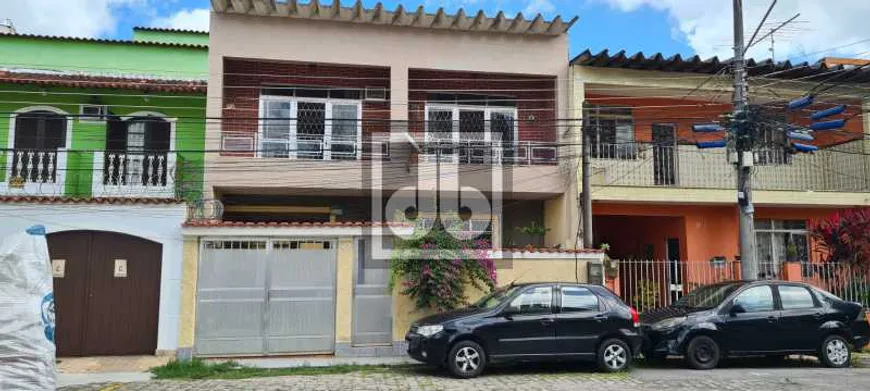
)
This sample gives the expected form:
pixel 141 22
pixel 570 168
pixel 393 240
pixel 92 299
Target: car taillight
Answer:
pixel 635 317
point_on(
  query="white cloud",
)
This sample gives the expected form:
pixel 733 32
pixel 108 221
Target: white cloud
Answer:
pixel 85 18
pixel 539 7
pixel 193 19
pixel 707 25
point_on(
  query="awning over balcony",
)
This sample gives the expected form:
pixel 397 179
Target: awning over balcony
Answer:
pixel 694 64
pixel 398 17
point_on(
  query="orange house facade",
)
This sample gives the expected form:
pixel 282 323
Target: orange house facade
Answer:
pixel 657 196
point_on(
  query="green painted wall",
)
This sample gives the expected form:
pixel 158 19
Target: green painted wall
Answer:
pixel 189 38
pixel 109 58
pixel 103 57
pixel 189 110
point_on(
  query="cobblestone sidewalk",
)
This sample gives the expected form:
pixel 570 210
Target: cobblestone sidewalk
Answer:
pixel 427 379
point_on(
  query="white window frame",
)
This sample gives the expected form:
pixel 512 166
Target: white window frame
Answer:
pixel 60 176
pixel 487 121
pixel 93 120
pixel 327 132
pixel 776 259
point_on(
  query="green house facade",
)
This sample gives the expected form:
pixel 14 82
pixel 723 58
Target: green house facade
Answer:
pixel 103 118
pixel 102 143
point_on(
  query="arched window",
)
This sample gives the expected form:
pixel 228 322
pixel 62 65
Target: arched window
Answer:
pixel 136 151
pixel 38 135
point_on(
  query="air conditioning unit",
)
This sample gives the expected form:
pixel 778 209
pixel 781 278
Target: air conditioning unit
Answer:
pixel 376 94
pixel 93 113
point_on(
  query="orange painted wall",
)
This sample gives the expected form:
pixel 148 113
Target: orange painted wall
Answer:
pixel 707 231
pixel 685 113
pixel 630 236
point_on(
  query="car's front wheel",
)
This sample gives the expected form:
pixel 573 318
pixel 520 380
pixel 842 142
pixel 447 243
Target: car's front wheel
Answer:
pixel 466 359
pixel 613 355
pixel 835 352
pixel 702 353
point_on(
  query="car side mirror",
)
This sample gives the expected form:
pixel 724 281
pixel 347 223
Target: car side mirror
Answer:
pixel 510 312
pixel 737 309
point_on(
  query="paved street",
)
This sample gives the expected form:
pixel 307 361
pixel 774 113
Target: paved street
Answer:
pixel 790 377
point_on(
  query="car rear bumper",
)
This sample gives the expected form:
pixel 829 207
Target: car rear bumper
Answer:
pixel 661 342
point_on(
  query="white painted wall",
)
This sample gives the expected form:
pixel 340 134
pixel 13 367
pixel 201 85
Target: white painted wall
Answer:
pixel 158 223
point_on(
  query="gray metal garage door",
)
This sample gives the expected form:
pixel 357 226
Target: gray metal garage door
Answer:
pixel 258 297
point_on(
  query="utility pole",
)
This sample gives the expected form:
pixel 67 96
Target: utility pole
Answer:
pixel 744 146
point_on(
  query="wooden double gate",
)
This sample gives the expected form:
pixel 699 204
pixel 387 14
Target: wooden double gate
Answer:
pixel 107 293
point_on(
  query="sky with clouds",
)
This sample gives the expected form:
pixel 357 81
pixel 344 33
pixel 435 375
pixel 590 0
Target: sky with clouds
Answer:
pixel 686 27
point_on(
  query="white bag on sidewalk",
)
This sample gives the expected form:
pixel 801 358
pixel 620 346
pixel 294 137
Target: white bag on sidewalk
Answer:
pixel 27 350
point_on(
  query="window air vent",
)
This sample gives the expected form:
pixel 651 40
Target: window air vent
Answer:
pixel 93 113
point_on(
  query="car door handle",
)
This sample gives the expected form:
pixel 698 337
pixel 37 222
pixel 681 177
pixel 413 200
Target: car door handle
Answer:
pixel 600 318
pixel 546 321
pixel 818 315
pixel 772 319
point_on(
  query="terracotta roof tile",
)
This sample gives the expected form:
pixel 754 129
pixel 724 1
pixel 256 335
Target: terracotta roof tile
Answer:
pixel 86 81
pixel 284 224
pixel 345 224
pixel 551 250
pixel 91 200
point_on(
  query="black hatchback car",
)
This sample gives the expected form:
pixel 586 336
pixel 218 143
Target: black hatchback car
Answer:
pixel 530 322
pixel 762 318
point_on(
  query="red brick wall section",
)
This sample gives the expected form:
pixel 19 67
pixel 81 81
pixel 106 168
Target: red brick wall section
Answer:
pixel 535 96
pixel 243 80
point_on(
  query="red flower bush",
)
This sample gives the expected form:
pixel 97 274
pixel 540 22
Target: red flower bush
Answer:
pixel 844 237
pixel 435 268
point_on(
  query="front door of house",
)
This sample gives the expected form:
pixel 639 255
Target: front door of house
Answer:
pixel 664 156
pixel 107 293
pixel 675 270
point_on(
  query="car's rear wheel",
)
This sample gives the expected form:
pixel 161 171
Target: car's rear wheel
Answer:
pixel 613 355
pixel 466 359
pixel 702 353
pixel 835 352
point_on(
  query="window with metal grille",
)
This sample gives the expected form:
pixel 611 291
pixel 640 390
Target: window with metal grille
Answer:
pixel 471 128
pixel 778 241
pixel 314 124
pixel 611 132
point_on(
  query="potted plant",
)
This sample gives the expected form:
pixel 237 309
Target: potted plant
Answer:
pixel 536 231
pixel 791 252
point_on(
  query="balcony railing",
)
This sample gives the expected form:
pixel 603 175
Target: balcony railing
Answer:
pixel 130 174
pixel 35 171
pixel 841 168
pixel 304 148
pixel 491 152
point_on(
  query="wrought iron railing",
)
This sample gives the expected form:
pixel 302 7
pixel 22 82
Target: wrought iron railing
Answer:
pixel 491 152
pixel 840 168
pixel 304 147
pixel 33 165
pixel 649 284
pixel 134 174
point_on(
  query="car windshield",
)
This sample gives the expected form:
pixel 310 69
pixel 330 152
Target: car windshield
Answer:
pixel 495 298
pixel 708 296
